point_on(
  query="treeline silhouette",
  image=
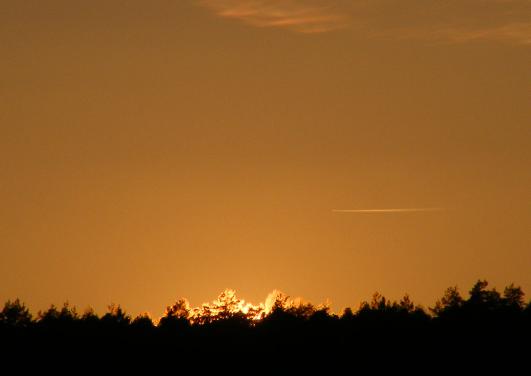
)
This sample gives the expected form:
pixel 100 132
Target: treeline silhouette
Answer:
pixel 495 324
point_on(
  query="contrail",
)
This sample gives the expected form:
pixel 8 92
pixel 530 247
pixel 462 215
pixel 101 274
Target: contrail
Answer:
pixel 400 210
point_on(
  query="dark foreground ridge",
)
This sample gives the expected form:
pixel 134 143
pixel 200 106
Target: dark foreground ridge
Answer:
pixel 486 329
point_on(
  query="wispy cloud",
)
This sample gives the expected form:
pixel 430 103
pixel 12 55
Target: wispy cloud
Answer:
pixel 518 32
pixel 301 16
pixel 395 210
pixel 451 21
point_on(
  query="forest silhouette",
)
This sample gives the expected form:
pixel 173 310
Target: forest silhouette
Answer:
pixel 496 325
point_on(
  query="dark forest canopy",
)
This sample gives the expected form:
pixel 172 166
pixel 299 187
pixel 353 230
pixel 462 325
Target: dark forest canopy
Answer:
pixel 482 303
pixel 485 320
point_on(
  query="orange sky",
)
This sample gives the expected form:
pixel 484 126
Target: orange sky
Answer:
pixel 152 150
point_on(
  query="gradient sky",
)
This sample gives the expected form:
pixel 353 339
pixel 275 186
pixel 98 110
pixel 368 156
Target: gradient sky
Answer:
pixel 165 148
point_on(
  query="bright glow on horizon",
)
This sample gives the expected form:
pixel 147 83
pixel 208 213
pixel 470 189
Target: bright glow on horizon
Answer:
pixel 228 303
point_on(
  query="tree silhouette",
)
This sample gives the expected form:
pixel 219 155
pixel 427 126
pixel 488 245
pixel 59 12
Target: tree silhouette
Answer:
pixel 176 317
pixel 513 297
pixel 61 316
pixel 15 314
pixel 449 304
pixel 142 323
pixel 115 317
pixel 347 314
pixel 485 322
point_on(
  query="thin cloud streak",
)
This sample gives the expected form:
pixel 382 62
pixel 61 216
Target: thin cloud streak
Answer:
pixel 296 15
pixel 451 21
pixel 398 210
pixel 519 32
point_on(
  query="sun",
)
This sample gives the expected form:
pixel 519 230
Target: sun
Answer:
pixel 227 305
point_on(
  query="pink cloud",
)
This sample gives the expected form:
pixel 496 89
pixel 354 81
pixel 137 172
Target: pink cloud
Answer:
pixel 297 15
pixel 450 21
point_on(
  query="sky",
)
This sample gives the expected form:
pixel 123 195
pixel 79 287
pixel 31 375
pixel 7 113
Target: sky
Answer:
pixel 151 150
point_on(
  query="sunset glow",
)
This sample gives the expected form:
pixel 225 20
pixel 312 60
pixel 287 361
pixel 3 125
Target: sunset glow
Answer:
pixel 228 303
pixel 151 150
